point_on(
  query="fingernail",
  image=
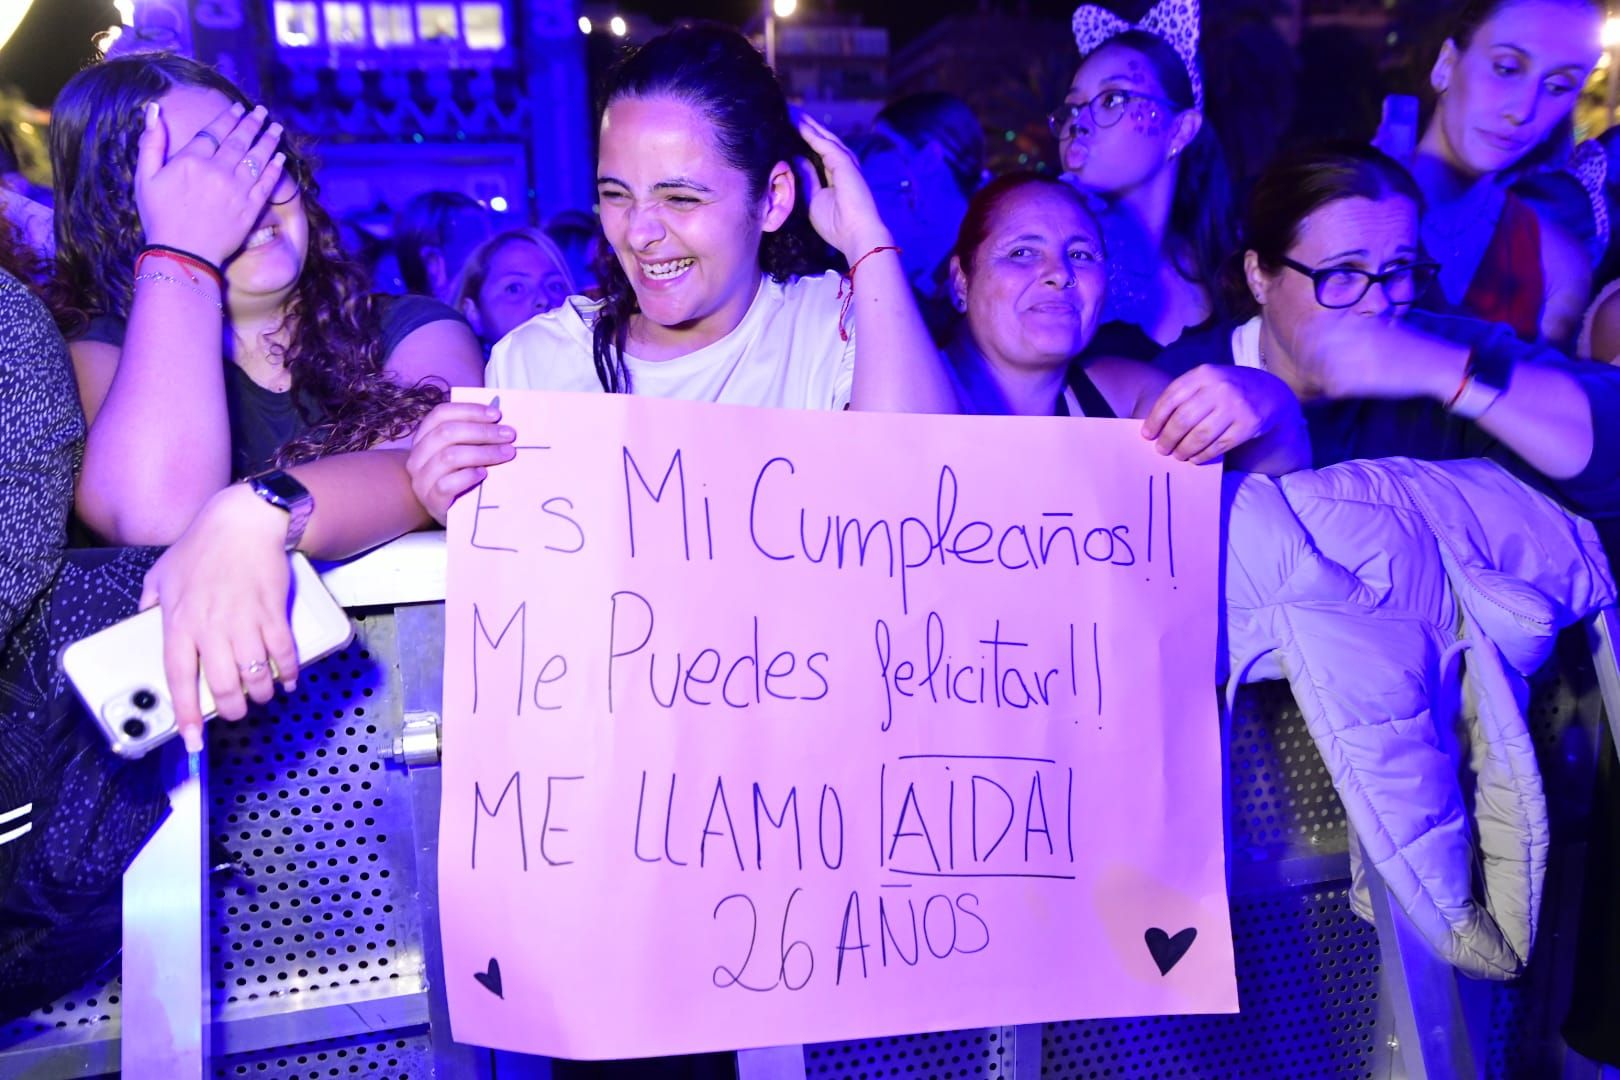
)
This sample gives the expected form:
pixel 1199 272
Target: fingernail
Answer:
pixel 260 110
pixel 193 739
pixel 505 432
pixel 237 109
pixel 151 111
pixel 279 158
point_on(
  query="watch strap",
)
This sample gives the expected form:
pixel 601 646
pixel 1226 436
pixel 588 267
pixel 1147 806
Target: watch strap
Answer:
pixel 283 490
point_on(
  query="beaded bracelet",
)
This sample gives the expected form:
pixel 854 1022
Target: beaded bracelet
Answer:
pixel 846 288
pixel 184 258
pixel 189 286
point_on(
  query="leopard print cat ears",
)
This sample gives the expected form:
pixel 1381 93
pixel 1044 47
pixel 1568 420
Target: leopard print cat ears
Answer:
pixel 1173 21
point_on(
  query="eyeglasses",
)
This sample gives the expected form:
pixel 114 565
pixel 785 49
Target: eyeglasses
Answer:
pixel 1107 109
pixel 1344 286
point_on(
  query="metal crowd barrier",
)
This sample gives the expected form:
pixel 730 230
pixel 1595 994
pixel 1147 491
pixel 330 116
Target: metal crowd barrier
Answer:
pixel 306 850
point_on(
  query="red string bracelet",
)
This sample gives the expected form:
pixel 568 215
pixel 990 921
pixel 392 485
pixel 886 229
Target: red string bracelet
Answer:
pixel 846 288
pixel 1468 376
pixel 189 262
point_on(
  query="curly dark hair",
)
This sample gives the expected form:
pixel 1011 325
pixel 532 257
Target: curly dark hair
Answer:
pixel 716 71
pixel 333 342
pixel 19 260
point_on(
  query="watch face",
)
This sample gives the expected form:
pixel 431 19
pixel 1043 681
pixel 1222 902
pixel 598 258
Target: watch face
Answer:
pixel 283 486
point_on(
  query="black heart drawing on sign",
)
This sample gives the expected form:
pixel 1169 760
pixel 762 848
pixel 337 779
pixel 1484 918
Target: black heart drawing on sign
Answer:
pixel 1166 950
pixel 491 980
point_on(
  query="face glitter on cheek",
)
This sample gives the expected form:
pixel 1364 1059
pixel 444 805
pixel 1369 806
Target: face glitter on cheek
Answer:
pixel 1147 119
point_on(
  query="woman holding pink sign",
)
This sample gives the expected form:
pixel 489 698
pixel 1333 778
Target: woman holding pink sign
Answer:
pixel 720 211
pixel 1029 273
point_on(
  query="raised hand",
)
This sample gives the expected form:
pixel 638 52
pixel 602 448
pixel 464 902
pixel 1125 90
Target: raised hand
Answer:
pixel 205 195
pixel 841 209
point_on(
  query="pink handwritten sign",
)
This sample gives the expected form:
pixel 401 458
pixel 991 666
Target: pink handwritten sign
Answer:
pixel 766 727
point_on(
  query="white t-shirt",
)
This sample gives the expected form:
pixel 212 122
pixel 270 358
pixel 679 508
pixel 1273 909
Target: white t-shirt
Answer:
pixel 786 353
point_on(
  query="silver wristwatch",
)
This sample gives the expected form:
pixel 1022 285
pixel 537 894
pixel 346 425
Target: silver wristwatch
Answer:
pixel 283 491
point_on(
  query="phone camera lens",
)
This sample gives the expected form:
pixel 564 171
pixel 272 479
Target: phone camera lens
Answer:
pixel 135 727
pixel 143 700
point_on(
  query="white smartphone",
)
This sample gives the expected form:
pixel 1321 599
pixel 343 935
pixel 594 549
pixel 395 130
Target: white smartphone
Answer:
pixel 118 671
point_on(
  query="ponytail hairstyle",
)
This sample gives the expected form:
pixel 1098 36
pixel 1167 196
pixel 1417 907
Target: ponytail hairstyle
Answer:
pixel 333 347
pixel 716 71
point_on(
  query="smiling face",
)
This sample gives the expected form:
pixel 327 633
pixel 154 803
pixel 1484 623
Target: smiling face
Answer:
pixel 263 272
pixel 520 282
pixel 1138 145
pixel 1374 235
pixel 1517 79
pixel 681 219
pixel 1034 287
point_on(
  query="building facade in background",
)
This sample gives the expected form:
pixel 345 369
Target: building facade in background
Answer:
pixel 487 97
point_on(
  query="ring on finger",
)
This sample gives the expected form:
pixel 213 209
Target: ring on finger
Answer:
pixel 253 668
pixel 252 166
pixel 210 136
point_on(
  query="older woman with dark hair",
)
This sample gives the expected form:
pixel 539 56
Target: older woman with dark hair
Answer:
pixel 1028 271
pixel 1333 271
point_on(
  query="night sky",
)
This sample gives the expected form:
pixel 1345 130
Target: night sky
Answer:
pixel 54 39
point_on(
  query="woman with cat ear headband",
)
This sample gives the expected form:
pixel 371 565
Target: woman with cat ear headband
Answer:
pixel 1132 135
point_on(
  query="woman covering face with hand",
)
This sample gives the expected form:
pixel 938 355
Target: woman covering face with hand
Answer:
pixel 228 334
pixel 719 210
pixel 1029 272
pixel 1334 266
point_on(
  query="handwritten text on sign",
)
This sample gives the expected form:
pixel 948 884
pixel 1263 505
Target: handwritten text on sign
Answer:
pixel 765 727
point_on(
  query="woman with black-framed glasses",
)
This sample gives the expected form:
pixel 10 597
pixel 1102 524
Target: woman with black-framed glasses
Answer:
pixel 245 393
pixel 1333 275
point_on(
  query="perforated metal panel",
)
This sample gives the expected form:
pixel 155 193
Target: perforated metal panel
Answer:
pixel 91 1011
pixel 954 1055
pixel 315 905
pixel 1283 802
pixel 74 1036
pixel 314 890
pixel 1308 986
pixel 398 1058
